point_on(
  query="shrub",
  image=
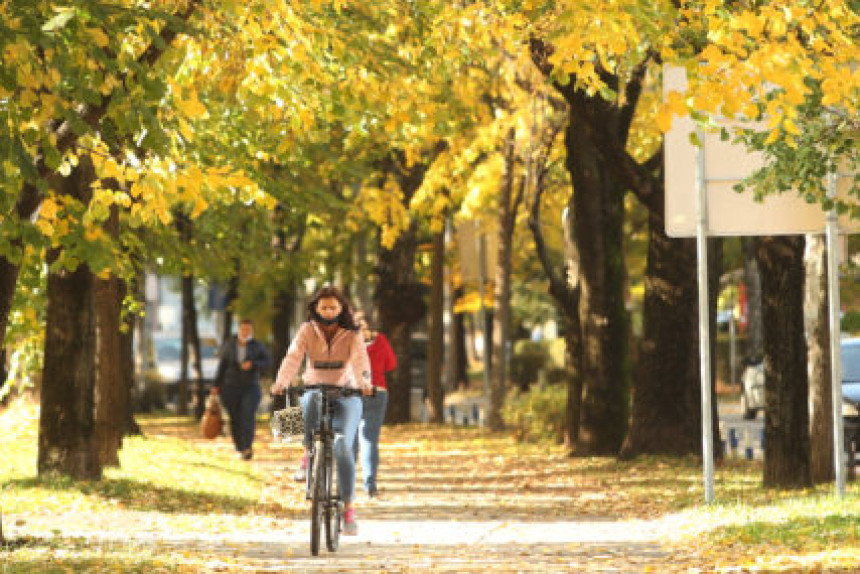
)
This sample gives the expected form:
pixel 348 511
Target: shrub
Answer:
pixel 528 359
pixel 851 322
pixel 539 414
pixel 149 398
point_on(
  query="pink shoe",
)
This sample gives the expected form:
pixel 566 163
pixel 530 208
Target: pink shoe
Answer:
pixel 350 526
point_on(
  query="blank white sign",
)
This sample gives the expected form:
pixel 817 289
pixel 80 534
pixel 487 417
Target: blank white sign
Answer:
pixel 729 213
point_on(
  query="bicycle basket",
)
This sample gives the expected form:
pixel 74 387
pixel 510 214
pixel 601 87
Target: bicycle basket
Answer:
pixel 288 422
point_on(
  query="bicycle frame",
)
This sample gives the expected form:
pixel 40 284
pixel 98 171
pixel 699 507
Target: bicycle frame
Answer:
pixel 321 487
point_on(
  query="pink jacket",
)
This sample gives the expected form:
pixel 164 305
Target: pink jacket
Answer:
pixel 341 362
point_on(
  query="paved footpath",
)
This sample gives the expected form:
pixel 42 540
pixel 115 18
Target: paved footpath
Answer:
pixel 389 545
pixel 445 506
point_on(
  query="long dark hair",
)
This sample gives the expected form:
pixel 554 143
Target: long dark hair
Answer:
pixel 345 319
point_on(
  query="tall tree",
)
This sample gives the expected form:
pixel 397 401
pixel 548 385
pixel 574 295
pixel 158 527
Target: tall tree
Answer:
pixel 191 369
pixel 435 340
pixel 399 297
pixel 817 328
pixel 597 209
pixel 752 284
pixel 111 388
pixel 510 197
pixel 563 279
pixel 54 44
pixel 287 244
pixel 786 421
pixel 67 415
pixel 659 425
pixel 191 364
pixel 127 359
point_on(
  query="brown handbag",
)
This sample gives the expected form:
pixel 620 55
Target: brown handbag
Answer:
pixel 212 423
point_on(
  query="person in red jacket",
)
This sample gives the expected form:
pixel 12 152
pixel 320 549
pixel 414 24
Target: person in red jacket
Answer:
pixel 382 360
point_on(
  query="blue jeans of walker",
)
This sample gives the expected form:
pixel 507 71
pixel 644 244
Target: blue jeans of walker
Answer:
pixel 347 413
pixel 372 417
pixel 241 402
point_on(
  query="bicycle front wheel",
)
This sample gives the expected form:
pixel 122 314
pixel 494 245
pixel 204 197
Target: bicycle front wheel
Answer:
pixel 318 499
pixel 333 506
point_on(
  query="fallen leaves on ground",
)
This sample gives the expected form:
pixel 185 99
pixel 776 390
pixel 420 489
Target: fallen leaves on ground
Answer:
pixel 452 499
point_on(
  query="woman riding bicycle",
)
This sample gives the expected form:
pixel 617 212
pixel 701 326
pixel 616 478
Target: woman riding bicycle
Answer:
pixel 336 355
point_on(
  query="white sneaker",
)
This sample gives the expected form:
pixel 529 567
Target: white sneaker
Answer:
pixel 302 472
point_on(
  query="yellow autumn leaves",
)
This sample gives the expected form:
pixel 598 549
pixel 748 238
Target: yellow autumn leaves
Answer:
pixel 766 63
pixel 148 192
pixel 738 57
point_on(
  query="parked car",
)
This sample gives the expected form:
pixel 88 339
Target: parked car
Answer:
pixel 851 372
pixel 167 355
pixel 752 395
pixel 752 388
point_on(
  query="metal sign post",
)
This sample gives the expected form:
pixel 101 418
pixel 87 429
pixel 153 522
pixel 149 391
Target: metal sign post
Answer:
pixel 835 351
pixel 704 322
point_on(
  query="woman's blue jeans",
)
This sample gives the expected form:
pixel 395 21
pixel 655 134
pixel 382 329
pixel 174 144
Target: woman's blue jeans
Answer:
pixel 370 428
pixel 347 413
pixel 241 402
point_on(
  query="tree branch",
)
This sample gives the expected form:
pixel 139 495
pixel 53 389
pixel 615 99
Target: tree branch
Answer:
pixel 632 92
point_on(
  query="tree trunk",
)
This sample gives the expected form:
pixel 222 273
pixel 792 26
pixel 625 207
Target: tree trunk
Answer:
pixel 818 340
pixel 668 364
pixel 127 371
pixel 399 301
pixel 67 419
pixel 229 300
pixel 191 345
pixel 285 294
pixel 573 404
pixel 8 283
pixel 462 353
pixel 715 271
pixel 508 204
pixel 786 421
pixel 398 297
pixel 109 402
pixel 361 281
pixel 595 135
pixel 282 319
pixel 752 283
pixel 598 216
pixel 67 423
pixel 435 340
pixel 564 289
pixel 460 359
pixel 566 292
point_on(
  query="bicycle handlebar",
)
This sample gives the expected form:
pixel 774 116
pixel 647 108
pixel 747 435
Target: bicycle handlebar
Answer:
pixel 343 391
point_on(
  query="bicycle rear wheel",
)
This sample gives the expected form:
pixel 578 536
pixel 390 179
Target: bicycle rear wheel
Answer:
pixel 333 506
pixel 318 499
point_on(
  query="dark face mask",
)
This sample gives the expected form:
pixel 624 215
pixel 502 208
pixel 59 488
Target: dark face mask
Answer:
pixel 327 322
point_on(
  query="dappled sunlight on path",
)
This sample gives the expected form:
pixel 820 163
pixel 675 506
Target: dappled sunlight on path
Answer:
pixel 451 500
pixel 464 474
pixel 454 499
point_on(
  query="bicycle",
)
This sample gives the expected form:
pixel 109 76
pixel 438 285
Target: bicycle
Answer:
pixel 321 488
